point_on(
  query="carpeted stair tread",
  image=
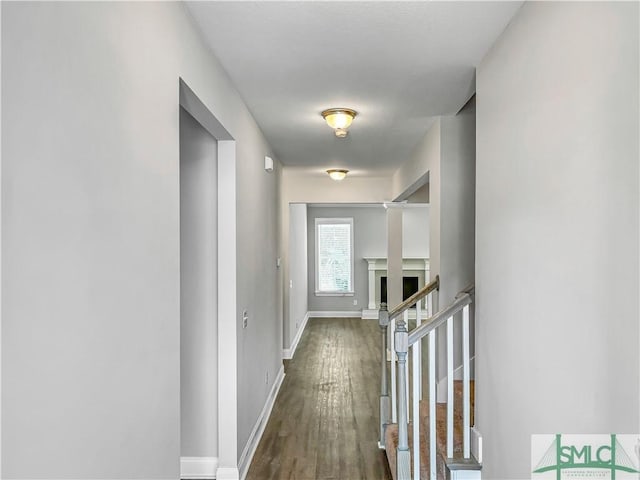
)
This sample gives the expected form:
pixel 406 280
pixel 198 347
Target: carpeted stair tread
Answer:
pixel 391 437
pixel 391 441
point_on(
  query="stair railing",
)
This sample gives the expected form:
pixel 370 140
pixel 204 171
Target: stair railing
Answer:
pixel 387 323
pixel 402 342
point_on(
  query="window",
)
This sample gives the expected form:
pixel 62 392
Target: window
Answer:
pixel 334 256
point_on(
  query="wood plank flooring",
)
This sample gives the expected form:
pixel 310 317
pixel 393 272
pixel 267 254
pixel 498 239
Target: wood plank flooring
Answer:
pixel 324 424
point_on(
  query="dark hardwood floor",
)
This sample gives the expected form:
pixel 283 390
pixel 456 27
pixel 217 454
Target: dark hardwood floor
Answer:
pixel 324 424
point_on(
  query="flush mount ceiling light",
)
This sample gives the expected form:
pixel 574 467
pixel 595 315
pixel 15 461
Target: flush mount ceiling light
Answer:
pixel 337 173
pixel 339 119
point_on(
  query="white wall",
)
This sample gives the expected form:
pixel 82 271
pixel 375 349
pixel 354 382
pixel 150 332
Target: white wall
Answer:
pixel 90 222
pixel 557 229
pixel 425 161
pixel 198 290
pixel 298 287
pixel 446 157
pixel 457 201
pixel 370 240
pixel 415 232
pixel 316 187
pixel 259 352
pixel 457 223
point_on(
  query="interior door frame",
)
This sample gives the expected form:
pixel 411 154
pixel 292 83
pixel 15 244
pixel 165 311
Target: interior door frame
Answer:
pixel 227 466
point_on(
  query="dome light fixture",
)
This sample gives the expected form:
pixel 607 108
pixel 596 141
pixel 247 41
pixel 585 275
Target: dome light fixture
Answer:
pixel 339 119
pixel 337 173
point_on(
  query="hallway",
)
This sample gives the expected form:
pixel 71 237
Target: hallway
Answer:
pixel 324 424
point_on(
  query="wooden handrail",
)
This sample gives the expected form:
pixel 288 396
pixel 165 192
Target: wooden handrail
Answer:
pixel 415 298
pixel 469 290
pixel 462 300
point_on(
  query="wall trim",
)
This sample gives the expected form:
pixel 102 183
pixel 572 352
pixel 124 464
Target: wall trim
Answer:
pixel 198 467
pixel 258 428
pixel 325 314
pixel 374 314
pixel 227 290
pixel 288 353
pixel 227 473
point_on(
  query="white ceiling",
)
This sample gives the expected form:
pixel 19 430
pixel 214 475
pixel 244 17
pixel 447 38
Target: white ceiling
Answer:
pixel 398 64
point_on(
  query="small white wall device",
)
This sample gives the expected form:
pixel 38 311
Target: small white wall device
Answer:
pixel 268 164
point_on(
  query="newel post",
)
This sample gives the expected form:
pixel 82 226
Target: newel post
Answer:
pixel 385 405
pixel 403 457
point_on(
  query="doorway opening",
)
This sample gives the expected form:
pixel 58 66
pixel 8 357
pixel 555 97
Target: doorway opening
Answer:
pixel 198 289
pixel 208 345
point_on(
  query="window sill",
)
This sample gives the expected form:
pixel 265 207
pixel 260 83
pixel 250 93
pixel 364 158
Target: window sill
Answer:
pixel 335 294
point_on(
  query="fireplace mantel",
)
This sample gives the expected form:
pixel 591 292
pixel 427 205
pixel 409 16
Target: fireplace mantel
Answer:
pixel 379 264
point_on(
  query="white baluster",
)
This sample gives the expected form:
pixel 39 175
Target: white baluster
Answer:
pixel 450 387
pixel 383 323
pixel 418 346
pixel 403 454
pixel 432 405
pixel 415 352
pixel 417 395
pixel 466 398
pixel 406 368
pixel 394 409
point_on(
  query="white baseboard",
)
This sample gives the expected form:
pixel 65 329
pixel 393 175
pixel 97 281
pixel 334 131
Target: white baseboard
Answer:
pixel 198 467
pixel 476 444
pixel 288 353
pixel 258 428
pixel 370 314
pixel 353 314
pixel 228 473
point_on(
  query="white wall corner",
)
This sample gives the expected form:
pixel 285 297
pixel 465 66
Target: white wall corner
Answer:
pixel 198 467
pixel 288 353
pixel 258 428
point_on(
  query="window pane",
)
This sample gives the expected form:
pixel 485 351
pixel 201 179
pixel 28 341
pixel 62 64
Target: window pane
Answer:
pixel 334 257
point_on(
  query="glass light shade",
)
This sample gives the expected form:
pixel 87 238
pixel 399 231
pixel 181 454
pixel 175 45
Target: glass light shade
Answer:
pixel 341 132
pixel 337 174
pixel 339 118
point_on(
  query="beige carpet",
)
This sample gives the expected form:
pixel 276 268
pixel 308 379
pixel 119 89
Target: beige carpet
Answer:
pixel 391 437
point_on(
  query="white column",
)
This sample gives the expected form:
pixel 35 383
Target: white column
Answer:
pixel 427 279
pixel 372 285
pixel 394 255
pixel 394 361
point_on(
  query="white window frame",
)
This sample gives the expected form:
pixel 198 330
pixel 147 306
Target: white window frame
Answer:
pixel 334 221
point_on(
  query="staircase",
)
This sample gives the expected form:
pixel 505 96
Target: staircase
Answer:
pixel 447 425
pixel 391 437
